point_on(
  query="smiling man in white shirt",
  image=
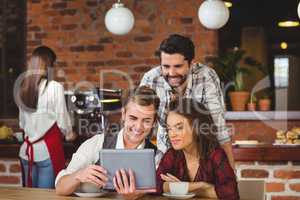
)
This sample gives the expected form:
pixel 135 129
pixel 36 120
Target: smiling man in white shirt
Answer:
pixel 139 116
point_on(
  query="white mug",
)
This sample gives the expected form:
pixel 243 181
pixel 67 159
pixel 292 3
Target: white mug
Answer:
pixel 89 188
pixel 179 188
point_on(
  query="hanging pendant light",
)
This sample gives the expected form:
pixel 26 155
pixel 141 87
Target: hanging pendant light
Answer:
pixel 213 14
pixel 289 18
pixel 119 20
pixel 228 4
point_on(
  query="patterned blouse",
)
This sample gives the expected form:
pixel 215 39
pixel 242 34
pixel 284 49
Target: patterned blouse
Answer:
pixel 216 170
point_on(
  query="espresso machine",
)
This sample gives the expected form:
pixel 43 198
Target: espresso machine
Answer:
pixel 89 109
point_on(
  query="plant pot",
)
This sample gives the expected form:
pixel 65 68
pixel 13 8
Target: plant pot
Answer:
pixel 239 100
pixel 251 106
pixel 264 104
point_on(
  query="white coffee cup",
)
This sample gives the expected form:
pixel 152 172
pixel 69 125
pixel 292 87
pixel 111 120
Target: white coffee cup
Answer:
pixel 89 188
pixel 179 188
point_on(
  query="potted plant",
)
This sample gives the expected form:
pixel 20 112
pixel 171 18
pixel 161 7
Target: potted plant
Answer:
pixel 264 104
pixel 228 67
pixel 252 103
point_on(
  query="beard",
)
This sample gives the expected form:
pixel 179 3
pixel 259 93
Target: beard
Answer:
pixel 175 81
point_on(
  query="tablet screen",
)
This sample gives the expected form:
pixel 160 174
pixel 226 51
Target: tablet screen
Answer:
pixel 141 161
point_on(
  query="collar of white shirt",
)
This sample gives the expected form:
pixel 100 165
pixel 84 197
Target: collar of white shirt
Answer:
pixel 120 141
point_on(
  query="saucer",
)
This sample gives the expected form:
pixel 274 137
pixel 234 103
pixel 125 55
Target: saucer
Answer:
pixel 90 194
pixel 179 196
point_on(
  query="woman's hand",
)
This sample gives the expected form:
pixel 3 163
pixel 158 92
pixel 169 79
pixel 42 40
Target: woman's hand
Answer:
pixel 169 178
pixel 92 174
pixel 125 185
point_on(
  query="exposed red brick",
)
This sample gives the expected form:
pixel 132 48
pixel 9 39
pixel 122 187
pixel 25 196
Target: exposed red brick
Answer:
pixel 152 61
pixel 95 63
pixel 152 17
pixel 186 20
pixel 124 54
pixel 273 163
pixel 295 187
pixel 34 42
pixel 9 180
pixel 59 5
pixel 115 62
pixel 285 198
pixel 74 31
pixel 2 168
pixel 77 48
pixel 69 27
pixel 274 187
pixel 14 168
pixel 106 40
pixel 68 12
pixel 95 48
pixel 286 174
pixel 143 38
pixel 142 69
pixel 40 35
pixel 254 173
pixel 134 62
pixel 61 64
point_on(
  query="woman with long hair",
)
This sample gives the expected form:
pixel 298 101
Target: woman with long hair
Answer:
pixel 195 155
pixel 43 117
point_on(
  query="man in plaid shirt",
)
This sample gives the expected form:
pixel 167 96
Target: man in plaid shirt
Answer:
pixel 178 77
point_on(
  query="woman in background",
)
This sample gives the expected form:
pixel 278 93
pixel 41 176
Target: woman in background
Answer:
pixel 43 116
pixel 195 155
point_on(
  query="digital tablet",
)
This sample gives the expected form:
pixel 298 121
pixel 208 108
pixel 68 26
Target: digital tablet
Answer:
pixel 141 161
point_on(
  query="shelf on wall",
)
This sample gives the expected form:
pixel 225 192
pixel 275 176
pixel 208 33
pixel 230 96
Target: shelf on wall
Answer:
pixel 262 115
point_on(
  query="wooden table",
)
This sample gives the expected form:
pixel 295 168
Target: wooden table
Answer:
pixel 18 193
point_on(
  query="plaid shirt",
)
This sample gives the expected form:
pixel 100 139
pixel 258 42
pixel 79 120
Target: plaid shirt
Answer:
pixel 203 84
pixel 216 170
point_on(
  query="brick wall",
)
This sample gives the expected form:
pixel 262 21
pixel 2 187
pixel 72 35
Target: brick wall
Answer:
pixel 75 30
pixel 10 172
pixel 282 178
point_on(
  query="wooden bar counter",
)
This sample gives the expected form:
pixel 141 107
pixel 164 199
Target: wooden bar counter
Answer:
pixel 18 193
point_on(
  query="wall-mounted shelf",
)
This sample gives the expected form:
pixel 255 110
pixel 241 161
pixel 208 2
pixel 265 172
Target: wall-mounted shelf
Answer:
pixel 262 115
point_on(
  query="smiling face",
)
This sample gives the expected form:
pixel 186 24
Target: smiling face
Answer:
pixel 138 122
pixel 174 69
pixel 179 131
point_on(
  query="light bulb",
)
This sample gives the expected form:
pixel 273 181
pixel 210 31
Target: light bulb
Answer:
pixel 119 20
pixel 213 14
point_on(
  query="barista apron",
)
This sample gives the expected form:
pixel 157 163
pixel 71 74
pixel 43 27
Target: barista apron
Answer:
pixel 53 140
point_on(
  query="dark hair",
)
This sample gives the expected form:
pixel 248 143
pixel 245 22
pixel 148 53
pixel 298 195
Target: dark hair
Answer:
pixel 198 116
pixel 46 54
pixel 42 58
pixel 178 44
pixel 143 96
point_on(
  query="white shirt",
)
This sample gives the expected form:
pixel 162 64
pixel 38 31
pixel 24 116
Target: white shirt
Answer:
pixel 51 108
pixel 88 153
